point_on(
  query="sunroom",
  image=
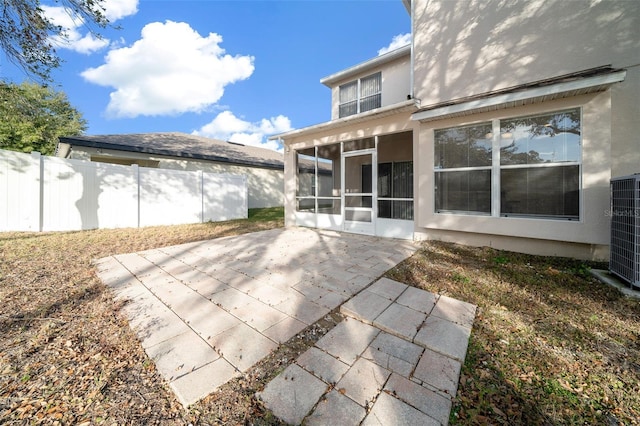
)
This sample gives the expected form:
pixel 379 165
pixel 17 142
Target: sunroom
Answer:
pixel 360 185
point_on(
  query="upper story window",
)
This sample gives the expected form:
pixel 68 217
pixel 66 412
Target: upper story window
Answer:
pixel 360 95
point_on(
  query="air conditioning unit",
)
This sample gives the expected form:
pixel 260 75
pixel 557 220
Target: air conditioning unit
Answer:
pixel 624 259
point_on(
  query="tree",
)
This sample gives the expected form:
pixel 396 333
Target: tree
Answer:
pixel 26 31
pixel 32 117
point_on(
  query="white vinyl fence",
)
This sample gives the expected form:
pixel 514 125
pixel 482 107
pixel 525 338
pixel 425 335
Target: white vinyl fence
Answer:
pixel 39 193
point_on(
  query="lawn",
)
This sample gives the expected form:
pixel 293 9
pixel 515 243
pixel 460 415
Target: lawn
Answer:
pixel 550 345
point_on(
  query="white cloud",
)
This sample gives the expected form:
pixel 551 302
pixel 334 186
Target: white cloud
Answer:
pixel 227 127
pixel 397 42
pixel 72 25
pixel 171 70
pixel 118 9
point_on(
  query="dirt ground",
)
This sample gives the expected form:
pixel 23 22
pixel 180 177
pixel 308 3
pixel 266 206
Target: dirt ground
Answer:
pixel 550 344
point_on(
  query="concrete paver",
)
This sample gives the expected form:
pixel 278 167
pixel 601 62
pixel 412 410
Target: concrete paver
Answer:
pixel 387 288
pixel 366 306
pixel 201 382
pixel 455 310
pixel 418 300
pixel 284 330
pixel 394 353
pixel 242 346
pixel 391 411
pixel 347 340
pixel 208 311
pixel 400 320
pixel 425 400
pixel 180 355
pixel 323 365
pixel 293 393
pixel 363 381
pixel 336 409
pixel 438 372
pixel 445 337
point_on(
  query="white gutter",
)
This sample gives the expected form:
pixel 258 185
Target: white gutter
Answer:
pixel 520 96
pixel 352 119
pixel 363 66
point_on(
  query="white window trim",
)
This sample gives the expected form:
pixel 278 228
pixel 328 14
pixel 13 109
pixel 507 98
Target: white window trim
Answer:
pixel 496 167
pixel 359 96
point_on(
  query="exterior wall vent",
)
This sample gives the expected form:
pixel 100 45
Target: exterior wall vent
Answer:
pixel 624 259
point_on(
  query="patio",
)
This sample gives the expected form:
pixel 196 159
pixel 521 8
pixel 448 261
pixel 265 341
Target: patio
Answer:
pixel 207 311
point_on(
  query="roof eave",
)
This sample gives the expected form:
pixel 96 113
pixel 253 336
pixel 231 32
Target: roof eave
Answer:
pixel 525 96
pixel 406 106
pixel 155 151
pixel 366 65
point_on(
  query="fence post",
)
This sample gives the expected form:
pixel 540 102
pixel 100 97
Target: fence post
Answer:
pixel 136 172
pixel 202 203
pixel 39 176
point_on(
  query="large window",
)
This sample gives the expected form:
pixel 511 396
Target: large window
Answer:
pixel 463 169
pixel 360 95
pixel 536 172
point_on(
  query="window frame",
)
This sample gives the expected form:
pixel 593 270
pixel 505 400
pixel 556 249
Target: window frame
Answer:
pixel 359 98
pixel 497 168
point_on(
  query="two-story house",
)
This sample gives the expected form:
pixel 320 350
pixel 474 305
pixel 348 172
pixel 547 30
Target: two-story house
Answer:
pixel 501 124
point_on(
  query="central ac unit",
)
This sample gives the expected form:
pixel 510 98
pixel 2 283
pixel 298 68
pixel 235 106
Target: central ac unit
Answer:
pixel 624 259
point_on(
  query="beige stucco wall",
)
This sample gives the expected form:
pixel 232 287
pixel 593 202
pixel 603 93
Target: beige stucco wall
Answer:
pixel 390 124
pixel 464 48
pixel 586 238
pixel 625 124
pixel 265 186
pixel 468 47
pixel 396 83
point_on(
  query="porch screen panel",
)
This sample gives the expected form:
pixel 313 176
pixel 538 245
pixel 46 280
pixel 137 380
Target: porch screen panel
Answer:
pixel 395 190
pixel 328 179
pixel 306 180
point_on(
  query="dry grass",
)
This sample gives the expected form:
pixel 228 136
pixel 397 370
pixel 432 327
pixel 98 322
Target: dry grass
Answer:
pixel 66 355
pixel 550 344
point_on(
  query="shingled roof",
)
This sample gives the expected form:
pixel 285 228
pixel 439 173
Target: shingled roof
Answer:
pixel 182 145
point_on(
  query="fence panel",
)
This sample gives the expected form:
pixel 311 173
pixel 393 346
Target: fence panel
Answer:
pixel 40 193
pixel 224 197
pixel 170 197
pixel 69 195
pixel 117 196
pixel 19 191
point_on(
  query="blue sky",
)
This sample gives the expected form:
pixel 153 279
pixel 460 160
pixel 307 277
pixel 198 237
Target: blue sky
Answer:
pixel 233 70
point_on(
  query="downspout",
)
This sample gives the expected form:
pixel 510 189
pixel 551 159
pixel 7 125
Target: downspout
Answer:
pixel 412 60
